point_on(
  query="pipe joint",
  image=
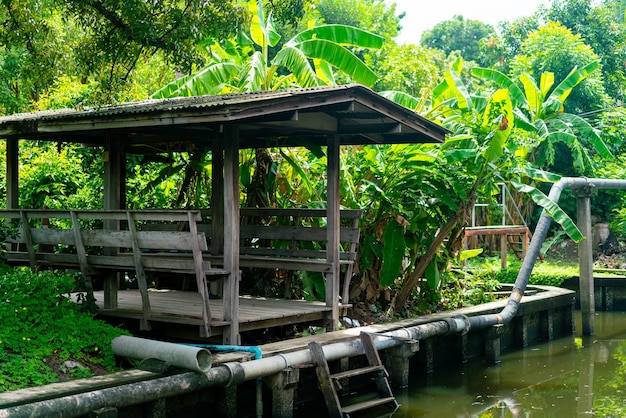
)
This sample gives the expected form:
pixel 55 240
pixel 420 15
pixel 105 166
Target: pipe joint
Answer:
pixel 458 324
pixel 584 191
pixel 236 373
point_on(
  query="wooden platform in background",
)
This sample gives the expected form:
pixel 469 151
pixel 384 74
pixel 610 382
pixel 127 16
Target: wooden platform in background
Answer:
pixel 179 307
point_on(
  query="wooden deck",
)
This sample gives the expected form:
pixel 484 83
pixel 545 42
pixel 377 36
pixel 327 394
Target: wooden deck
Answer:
pixel 179 307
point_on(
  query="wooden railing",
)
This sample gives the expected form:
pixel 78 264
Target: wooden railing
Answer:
pixel 296 239
pixel 78 240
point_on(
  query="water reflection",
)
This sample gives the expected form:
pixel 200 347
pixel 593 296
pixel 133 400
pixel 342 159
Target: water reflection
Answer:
pixel 564 378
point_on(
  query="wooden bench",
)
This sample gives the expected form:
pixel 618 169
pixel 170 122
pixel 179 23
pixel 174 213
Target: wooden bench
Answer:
pixel 79 240
pixel 295 239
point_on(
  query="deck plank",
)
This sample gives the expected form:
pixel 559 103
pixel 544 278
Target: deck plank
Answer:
pixel 180 307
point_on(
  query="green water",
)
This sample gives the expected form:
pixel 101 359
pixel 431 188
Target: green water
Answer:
pixel 568 377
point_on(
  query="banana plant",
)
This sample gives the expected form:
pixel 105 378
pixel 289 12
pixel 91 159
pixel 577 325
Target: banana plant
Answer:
pixel 244 64
pixel 309 58
pixel 540 110
pixel 476 157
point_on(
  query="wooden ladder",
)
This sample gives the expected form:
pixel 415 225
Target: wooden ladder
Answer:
pixel 331 383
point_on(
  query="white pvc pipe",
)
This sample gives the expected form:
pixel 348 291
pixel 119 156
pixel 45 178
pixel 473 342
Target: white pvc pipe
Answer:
pixel 184 356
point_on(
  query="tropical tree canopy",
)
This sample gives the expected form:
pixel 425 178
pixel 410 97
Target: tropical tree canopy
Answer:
pixel 458 34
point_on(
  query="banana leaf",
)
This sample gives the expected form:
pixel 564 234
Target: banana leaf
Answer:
pixel 296 61
pixel 460 90
pixel 298 169
pixel 341 34
pixel 210 80
pixel 588 132
pixel 534 98
pixel 401 98
pixel 517 95
pixel 340 58
pixel 563 90
pixel 393 253
pixel 552 209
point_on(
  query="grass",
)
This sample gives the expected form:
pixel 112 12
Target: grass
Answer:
pixel 547 273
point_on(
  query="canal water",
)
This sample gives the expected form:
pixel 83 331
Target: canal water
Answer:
pixel 568 377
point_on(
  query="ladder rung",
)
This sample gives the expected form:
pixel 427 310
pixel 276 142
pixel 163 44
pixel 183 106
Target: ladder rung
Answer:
pixel 358 372
pixel 348 409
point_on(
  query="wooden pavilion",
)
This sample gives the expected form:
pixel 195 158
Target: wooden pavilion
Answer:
pixel 329 117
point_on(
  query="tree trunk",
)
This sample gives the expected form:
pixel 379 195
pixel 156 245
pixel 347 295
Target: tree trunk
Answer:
pixel 411 282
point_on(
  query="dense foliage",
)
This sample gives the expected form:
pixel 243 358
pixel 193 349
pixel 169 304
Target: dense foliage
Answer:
pixel 459 34
pixel 42 329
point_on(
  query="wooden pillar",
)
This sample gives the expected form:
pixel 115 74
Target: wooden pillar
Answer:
pixel 114 180
pixel 230 296
pixel 12 173
pixel 504 248
pixel 217 208
pixel 332 213
pixel 585 258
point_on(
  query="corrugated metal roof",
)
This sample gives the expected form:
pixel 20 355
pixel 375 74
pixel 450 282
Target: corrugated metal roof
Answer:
pixel 292 117
pixel 160 105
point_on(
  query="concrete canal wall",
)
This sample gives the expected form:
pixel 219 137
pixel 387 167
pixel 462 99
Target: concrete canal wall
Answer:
pixel 223 391
pixel 609 292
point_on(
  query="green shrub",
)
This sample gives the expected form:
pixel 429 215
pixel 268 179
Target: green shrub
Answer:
pixel 42 328
pixel 544 273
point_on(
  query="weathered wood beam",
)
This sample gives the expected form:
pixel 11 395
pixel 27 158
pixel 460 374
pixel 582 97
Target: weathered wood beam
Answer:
pixel 496 231
pixel 114 170
pixel 357 127
pixel 230 296
pixel 12 173
pixel 333 226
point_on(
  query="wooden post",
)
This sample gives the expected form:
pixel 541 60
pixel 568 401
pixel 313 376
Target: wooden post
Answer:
pixel 142 281
pixel 217 198
pixel 217 208
pixel 504 248
pixel 30 247
pixel 332 249
pixel 230 296
pixel 12 173
pixel 114 169
pixel 85 269
pixel 200 275
pixel 585 258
